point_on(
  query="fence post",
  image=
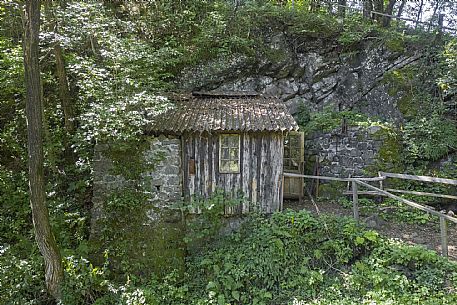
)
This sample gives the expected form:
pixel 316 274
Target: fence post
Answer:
pixel 355 200
pixel 443 231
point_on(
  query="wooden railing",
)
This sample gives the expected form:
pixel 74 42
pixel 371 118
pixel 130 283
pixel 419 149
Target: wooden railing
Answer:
pixel 361 181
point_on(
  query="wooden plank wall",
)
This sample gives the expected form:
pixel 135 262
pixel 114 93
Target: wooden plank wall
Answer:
pixel 259 179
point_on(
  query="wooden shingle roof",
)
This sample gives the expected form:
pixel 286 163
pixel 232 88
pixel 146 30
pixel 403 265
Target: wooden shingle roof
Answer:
pixel 233 112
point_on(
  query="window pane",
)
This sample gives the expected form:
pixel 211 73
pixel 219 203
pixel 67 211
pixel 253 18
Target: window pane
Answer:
pixel 224 153
pixel 224 141
pixel 233 140
pixel 224 166
pixel 234 153
pixel 233 166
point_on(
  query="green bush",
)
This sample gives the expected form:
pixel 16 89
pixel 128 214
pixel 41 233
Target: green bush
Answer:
pixel 429 138
pixel 21 277
pixel 272 260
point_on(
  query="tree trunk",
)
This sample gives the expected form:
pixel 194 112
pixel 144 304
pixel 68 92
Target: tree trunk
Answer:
pixel 419 12
pixel 435 9
pixel 330 8
pixel 64 90
pixel 367 8
pixel 400 9
pixel 40 215
pixel 341 8
pixel 378 7
pixel 389 11
pixel 315 6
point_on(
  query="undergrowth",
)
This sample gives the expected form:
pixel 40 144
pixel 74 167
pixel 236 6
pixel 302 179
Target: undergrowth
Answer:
pixel 284 258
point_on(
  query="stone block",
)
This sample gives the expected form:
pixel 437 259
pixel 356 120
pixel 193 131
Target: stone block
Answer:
pixel 362 146
pixel 354 153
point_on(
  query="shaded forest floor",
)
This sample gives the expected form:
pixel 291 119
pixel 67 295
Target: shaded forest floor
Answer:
pixel 427 234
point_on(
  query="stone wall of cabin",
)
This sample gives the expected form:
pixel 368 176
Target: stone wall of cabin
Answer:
pixel 149 234
pixel 164 182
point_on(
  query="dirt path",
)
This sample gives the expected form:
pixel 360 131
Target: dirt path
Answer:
pixel 427 235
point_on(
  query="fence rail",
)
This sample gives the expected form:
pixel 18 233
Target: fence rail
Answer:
pixel 363 181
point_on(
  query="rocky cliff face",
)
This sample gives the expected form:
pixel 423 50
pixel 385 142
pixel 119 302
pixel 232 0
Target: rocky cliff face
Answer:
pixel 316 74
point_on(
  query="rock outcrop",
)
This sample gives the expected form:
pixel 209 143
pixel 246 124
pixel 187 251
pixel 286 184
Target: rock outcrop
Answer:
pixel 316 74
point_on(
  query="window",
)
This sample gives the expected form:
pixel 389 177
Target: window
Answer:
pixel 229 153
pixel 293 151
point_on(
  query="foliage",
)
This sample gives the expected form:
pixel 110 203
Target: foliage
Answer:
pixel 448 80
pixel 129 158
pixel 429 138
pixel 355 29
pixel 389 209
pixel 140 238
pixel 119 57
pixel 84 283
pixel 206 225
pixel 266 262
pixel 269 260
pixel 15 215
pixel 21 276
pixel 329 120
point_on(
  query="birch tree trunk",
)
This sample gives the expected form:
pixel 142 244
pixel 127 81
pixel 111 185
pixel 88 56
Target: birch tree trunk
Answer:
pixel 40 215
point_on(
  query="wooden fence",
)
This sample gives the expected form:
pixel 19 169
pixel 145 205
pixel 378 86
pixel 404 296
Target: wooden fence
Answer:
pixel 381 191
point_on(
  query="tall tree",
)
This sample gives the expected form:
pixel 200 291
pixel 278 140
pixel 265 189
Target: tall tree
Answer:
pixel 419 13
pixel 367 8
pixel 388 11
pixel 400 9
pixel 34 106
pixel 64 89
pixel 378 7
pixel 341 8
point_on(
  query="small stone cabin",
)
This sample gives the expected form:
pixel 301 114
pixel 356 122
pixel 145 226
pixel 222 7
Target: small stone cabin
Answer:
pixel 233 142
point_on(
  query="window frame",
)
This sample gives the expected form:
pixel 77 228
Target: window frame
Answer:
pixel 299 158
pixel 238 157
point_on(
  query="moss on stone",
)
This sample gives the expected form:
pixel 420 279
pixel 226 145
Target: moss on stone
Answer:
pixel 138 238
pixel 389 157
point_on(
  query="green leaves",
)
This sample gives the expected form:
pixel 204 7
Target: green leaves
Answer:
pixel 430 137
pixel 273 259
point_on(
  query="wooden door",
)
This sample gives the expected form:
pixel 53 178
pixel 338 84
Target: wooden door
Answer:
pixel 294 156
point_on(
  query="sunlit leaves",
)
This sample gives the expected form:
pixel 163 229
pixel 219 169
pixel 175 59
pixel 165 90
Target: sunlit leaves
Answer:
pixel 429 138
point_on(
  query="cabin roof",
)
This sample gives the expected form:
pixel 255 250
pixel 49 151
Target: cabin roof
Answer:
pixel 206 112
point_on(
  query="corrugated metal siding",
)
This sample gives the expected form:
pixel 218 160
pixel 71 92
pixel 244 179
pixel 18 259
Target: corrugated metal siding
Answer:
pixel 225 114
pixel 260 177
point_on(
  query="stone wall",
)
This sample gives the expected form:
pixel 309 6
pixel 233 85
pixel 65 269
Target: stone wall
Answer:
pixel 342 154
pixel 140 232
pixel 164 182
